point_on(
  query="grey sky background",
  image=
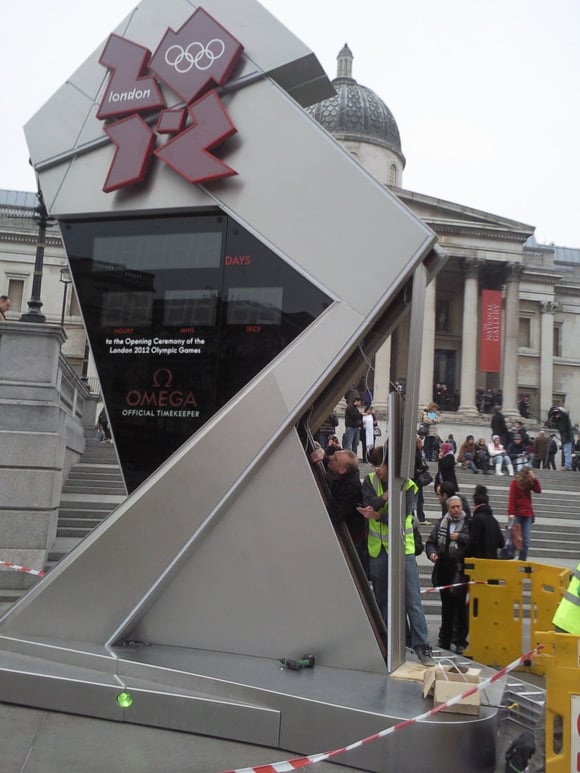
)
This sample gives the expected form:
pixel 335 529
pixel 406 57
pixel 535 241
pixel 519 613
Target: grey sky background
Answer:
pixel 485 94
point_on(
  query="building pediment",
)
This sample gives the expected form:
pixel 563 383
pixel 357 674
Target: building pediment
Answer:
pixel 450 218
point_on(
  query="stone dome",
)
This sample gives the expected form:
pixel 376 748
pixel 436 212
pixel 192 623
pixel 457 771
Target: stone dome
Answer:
pixel 356 112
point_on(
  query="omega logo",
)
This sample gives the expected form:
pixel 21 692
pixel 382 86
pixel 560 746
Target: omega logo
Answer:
pixel 161 395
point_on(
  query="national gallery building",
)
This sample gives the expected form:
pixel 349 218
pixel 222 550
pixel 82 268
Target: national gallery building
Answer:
pixel 534 289
pixel 537 286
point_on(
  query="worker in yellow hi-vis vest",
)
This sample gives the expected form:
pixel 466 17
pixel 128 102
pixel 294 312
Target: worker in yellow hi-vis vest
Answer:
pixel 375 509
pixel 567 616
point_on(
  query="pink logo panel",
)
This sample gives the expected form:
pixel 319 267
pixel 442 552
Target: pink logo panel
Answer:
pixel 188 153
pixel 189 61
pixel 199 54
pixel 128 90
pixel 135 142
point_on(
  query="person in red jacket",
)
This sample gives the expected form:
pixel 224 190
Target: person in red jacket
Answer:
pixel 520 505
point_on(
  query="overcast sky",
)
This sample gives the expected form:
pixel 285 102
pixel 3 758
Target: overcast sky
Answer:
pixel 485 94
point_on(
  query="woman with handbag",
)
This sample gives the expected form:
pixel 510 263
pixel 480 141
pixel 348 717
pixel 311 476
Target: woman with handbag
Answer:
pixel 520 505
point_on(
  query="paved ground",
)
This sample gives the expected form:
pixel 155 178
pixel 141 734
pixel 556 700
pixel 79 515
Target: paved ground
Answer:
pixel 34 741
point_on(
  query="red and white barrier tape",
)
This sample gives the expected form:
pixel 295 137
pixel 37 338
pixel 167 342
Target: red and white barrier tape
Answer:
pixel 302 762
pixel 455 585
pixel 25 569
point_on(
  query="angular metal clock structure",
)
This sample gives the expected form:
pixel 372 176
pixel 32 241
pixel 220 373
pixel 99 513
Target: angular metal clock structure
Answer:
pixel 220 315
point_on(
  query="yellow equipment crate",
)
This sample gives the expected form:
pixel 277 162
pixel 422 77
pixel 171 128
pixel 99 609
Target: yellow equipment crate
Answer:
pixel 499 631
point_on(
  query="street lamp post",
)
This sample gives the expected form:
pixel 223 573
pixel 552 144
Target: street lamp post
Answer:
pixel 66 279
pixel 34 313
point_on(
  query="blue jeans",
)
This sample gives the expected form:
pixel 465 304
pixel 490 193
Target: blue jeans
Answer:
pixel 322 438
pixel 379 576
pixel 470 463
pixel 567 455
pixel 417 634
pixel 526 524
pixel 417 625
pixel 350 439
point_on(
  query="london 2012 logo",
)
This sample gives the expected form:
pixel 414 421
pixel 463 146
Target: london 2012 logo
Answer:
pixel 191 63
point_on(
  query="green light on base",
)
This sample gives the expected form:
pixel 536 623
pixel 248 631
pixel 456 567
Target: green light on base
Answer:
pixel 125 700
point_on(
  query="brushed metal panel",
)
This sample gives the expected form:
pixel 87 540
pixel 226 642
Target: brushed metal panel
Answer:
pixel 61 694
pixel 268 579
pixel 88 594
pixel 57 125
pixel 193 714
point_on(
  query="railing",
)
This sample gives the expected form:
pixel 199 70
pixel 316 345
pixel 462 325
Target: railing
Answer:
pixel 93 384
pixel 73 391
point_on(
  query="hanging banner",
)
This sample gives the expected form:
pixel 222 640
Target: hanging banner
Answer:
pixel 490 348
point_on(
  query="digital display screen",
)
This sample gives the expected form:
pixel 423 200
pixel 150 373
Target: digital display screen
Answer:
pixel 254 305
pixel 181 312
pixel 150 252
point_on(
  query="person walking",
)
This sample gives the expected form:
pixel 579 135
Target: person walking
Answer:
pixel 520 505
pixel 541 450
pixel 446 466
pixel 559 418
pixel 352 426
pixel 421 469
pixel 499 426
pixel 430 420
pixel 485 537
pixel 103 426
pixel 552 451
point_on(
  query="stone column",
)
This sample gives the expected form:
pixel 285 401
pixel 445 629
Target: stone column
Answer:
pixel 469 339
pixel 428 354
pixel 509 383
pixel 546 356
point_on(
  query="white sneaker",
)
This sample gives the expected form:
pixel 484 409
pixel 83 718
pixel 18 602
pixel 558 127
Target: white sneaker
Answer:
pixel 499 473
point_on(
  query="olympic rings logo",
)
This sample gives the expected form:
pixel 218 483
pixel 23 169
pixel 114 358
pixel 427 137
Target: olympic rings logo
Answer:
pixel 195 55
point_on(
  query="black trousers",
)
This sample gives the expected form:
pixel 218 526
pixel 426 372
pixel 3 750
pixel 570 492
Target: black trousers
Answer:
pixel 454 618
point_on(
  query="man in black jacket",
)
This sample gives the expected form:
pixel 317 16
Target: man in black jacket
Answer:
pixel 345 496
pixel 485 537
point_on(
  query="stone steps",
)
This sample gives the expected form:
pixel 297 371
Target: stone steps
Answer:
pixel 91 492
